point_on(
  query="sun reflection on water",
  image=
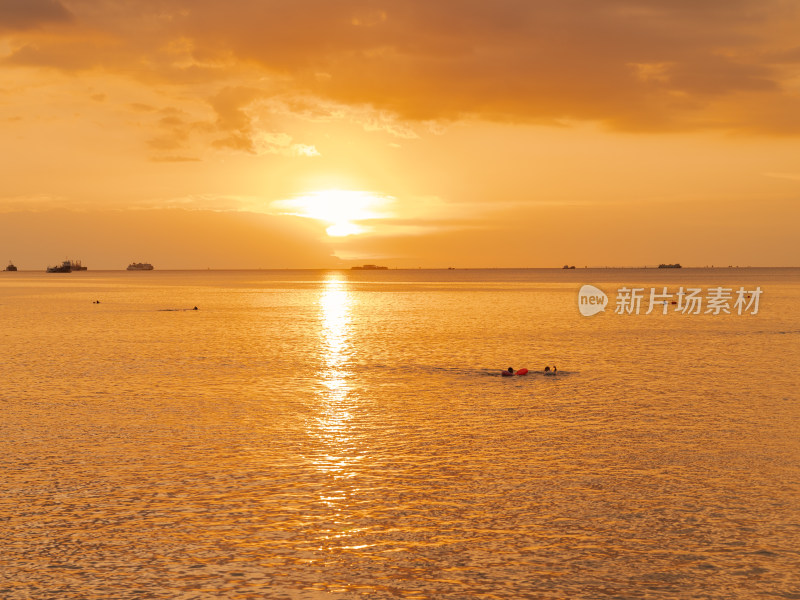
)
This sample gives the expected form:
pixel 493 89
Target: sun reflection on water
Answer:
pixel 336 396
pixel 337 455
pixel 335 302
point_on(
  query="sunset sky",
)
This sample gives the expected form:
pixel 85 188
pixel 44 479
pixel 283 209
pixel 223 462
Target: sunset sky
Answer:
pixel 322 133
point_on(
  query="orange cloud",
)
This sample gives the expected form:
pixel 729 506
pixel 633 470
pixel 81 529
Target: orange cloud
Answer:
pixel 660 65
pixel 29 14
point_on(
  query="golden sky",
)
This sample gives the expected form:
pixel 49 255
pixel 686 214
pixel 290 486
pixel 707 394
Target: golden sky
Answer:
pixel 323 133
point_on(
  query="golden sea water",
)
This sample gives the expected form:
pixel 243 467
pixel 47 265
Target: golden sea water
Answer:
pixel 344 434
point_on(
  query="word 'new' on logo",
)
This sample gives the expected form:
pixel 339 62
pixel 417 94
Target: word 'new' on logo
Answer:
pixel 591 300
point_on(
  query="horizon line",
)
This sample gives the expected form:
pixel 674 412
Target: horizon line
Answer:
pixel 420 268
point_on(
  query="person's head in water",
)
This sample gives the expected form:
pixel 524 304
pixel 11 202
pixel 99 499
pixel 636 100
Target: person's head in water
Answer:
pixel 547 369
pixel 555 368
pixel 510 369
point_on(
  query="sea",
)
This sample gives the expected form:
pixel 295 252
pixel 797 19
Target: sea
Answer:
pixel 324 434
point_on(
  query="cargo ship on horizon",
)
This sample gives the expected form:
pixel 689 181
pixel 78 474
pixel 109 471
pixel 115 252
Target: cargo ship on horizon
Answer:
pixel 67 266
pixel 137 266
pixel 64 267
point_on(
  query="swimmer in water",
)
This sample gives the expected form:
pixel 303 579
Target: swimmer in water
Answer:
pixel 547 369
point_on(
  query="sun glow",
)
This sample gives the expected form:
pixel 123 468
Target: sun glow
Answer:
pixel 343 210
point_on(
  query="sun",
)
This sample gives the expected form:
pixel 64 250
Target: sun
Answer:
pixel 343 210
